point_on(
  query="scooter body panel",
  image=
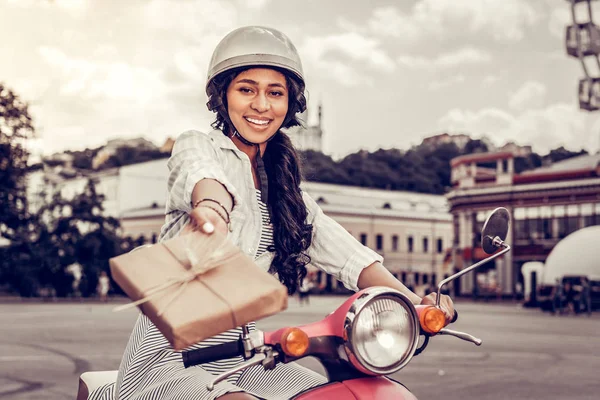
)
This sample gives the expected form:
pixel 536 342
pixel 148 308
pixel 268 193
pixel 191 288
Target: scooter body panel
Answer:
pixel 378 388
pixel 329 391
pixel 372 388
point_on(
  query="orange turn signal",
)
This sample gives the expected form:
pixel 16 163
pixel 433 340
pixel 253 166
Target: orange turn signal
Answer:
pixel 294 342
pixel 432 319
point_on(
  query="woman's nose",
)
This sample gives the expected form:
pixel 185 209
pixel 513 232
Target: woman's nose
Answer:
pixel 261 103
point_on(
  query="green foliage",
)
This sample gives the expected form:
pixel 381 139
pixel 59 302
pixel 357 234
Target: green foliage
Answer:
pixel 561 154
pixel 15 128
pixel 423 168
pixel 64 232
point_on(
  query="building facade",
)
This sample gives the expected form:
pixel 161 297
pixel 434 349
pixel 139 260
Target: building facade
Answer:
pixel 546 204
pixel 412 231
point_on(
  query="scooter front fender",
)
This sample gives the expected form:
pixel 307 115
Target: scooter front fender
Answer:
pixel 371 388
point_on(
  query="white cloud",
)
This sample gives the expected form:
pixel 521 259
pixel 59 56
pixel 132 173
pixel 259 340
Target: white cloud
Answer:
pixel 558 20
pixel 75 7
pixel 501 20
pixel 440 84
pixel 489 80
pixel 128 82
pixel 557 125
pixel 253 4
pixel 461 57
pixel 332 54
pixel 531 95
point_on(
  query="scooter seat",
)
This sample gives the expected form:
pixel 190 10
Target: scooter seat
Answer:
pixel 89 381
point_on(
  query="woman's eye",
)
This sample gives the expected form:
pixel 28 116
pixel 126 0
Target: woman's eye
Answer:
pixel 245 90
pixel 277 94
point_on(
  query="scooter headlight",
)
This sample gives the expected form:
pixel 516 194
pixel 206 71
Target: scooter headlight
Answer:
pixel 382 331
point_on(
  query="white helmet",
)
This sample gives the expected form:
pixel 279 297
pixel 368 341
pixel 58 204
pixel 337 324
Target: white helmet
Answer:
pixel 255 46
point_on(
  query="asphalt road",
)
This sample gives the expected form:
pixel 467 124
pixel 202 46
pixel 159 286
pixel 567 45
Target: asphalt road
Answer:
pixel 526 354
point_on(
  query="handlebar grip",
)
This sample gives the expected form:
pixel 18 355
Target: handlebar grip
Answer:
pixel 212 353
pixel 454 317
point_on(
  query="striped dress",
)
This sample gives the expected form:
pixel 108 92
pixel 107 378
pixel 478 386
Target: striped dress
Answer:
pixel 152 370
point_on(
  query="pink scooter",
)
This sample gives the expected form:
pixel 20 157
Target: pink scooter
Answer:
pixel 374 333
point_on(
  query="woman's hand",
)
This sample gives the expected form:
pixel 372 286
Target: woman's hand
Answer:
pixel 207 220
pixel 446 304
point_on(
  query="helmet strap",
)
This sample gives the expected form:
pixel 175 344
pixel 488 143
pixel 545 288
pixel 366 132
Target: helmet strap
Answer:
pixel 260 165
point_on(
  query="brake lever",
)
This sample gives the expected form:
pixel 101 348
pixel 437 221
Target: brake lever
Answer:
pixel 461 335
pixel 257 359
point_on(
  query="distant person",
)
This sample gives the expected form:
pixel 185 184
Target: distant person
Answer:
pixel 586 297
pixel 558 297
pixel 304 290
pixel 569 297
pixel 76 271
pixel 103 286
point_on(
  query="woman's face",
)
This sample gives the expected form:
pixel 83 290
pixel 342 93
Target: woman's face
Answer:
pixel 257 103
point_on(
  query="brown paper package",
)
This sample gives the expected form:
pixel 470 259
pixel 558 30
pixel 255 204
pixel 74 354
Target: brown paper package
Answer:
pixel 232 293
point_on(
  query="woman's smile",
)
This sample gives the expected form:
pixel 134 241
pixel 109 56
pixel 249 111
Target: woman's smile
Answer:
pixel 258 123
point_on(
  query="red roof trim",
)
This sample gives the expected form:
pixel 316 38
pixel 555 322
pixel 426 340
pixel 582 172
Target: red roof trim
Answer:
pixel 554 175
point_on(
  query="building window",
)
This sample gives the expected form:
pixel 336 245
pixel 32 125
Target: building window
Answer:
pixel 410 244
pixel 379 242
pixel 395 243
pixel 425 279
pixel 363 238
pixel 425 245
pixel 440 245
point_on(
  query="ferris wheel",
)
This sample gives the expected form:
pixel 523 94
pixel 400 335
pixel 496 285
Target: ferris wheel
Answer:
pixel 583 42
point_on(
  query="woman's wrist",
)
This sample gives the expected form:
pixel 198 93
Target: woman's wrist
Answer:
pixel 216 210
pixel 215 205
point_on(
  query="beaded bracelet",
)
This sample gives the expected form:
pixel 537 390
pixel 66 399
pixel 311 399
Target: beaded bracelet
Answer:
pixel 226 218
pixel 219 213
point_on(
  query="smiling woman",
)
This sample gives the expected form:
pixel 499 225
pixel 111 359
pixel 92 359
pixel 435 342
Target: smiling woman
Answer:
pixel 243 179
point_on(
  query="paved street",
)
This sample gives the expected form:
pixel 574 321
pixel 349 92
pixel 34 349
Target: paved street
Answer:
pixel 526 354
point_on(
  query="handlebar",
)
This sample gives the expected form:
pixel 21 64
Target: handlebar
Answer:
pixel 212 353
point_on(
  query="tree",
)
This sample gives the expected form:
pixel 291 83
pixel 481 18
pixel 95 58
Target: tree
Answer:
pixel 64 232
pixel 561 154
pixel 15 128
pixel 77 231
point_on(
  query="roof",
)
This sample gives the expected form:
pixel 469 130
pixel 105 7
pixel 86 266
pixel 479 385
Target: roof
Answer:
pixel 585 166
pixel 585 162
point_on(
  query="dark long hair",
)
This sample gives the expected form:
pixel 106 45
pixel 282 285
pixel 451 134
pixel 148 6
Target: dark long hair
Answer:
pixel 292 236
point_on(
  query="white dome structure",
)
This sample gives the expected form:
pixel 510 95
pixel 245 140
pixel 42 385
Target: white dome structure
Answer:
pixel 577 254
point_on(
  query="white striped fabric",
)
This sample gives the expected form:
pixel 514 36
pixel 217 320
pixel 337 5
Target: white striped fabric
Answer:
pixel 152 370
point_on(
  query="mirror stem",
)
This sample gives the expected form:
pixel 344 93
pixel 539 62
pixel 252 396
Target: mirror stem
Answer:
pixel 469 269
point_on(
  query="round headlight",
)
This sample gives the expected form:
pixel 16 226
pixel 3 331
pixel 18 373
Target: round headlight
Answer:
pixel 382 330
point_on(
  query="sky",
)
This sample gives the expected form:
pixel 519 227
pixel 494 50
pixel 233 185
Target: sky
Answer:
pixel 387 73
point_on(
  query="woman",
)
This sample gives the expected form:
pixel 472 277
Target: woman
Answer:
pixel 244 179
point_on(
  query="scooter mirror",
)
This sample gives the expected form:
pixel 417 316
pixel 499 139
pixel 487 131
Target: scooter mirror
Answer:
pixel 496 225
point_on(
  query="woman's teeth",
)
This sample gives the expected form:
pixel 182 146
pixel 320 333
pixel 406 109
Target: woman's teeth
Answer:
pixel 257 121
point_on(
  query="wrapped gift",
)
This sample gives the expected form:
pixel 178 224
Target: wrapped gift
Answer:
pixel 197 285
